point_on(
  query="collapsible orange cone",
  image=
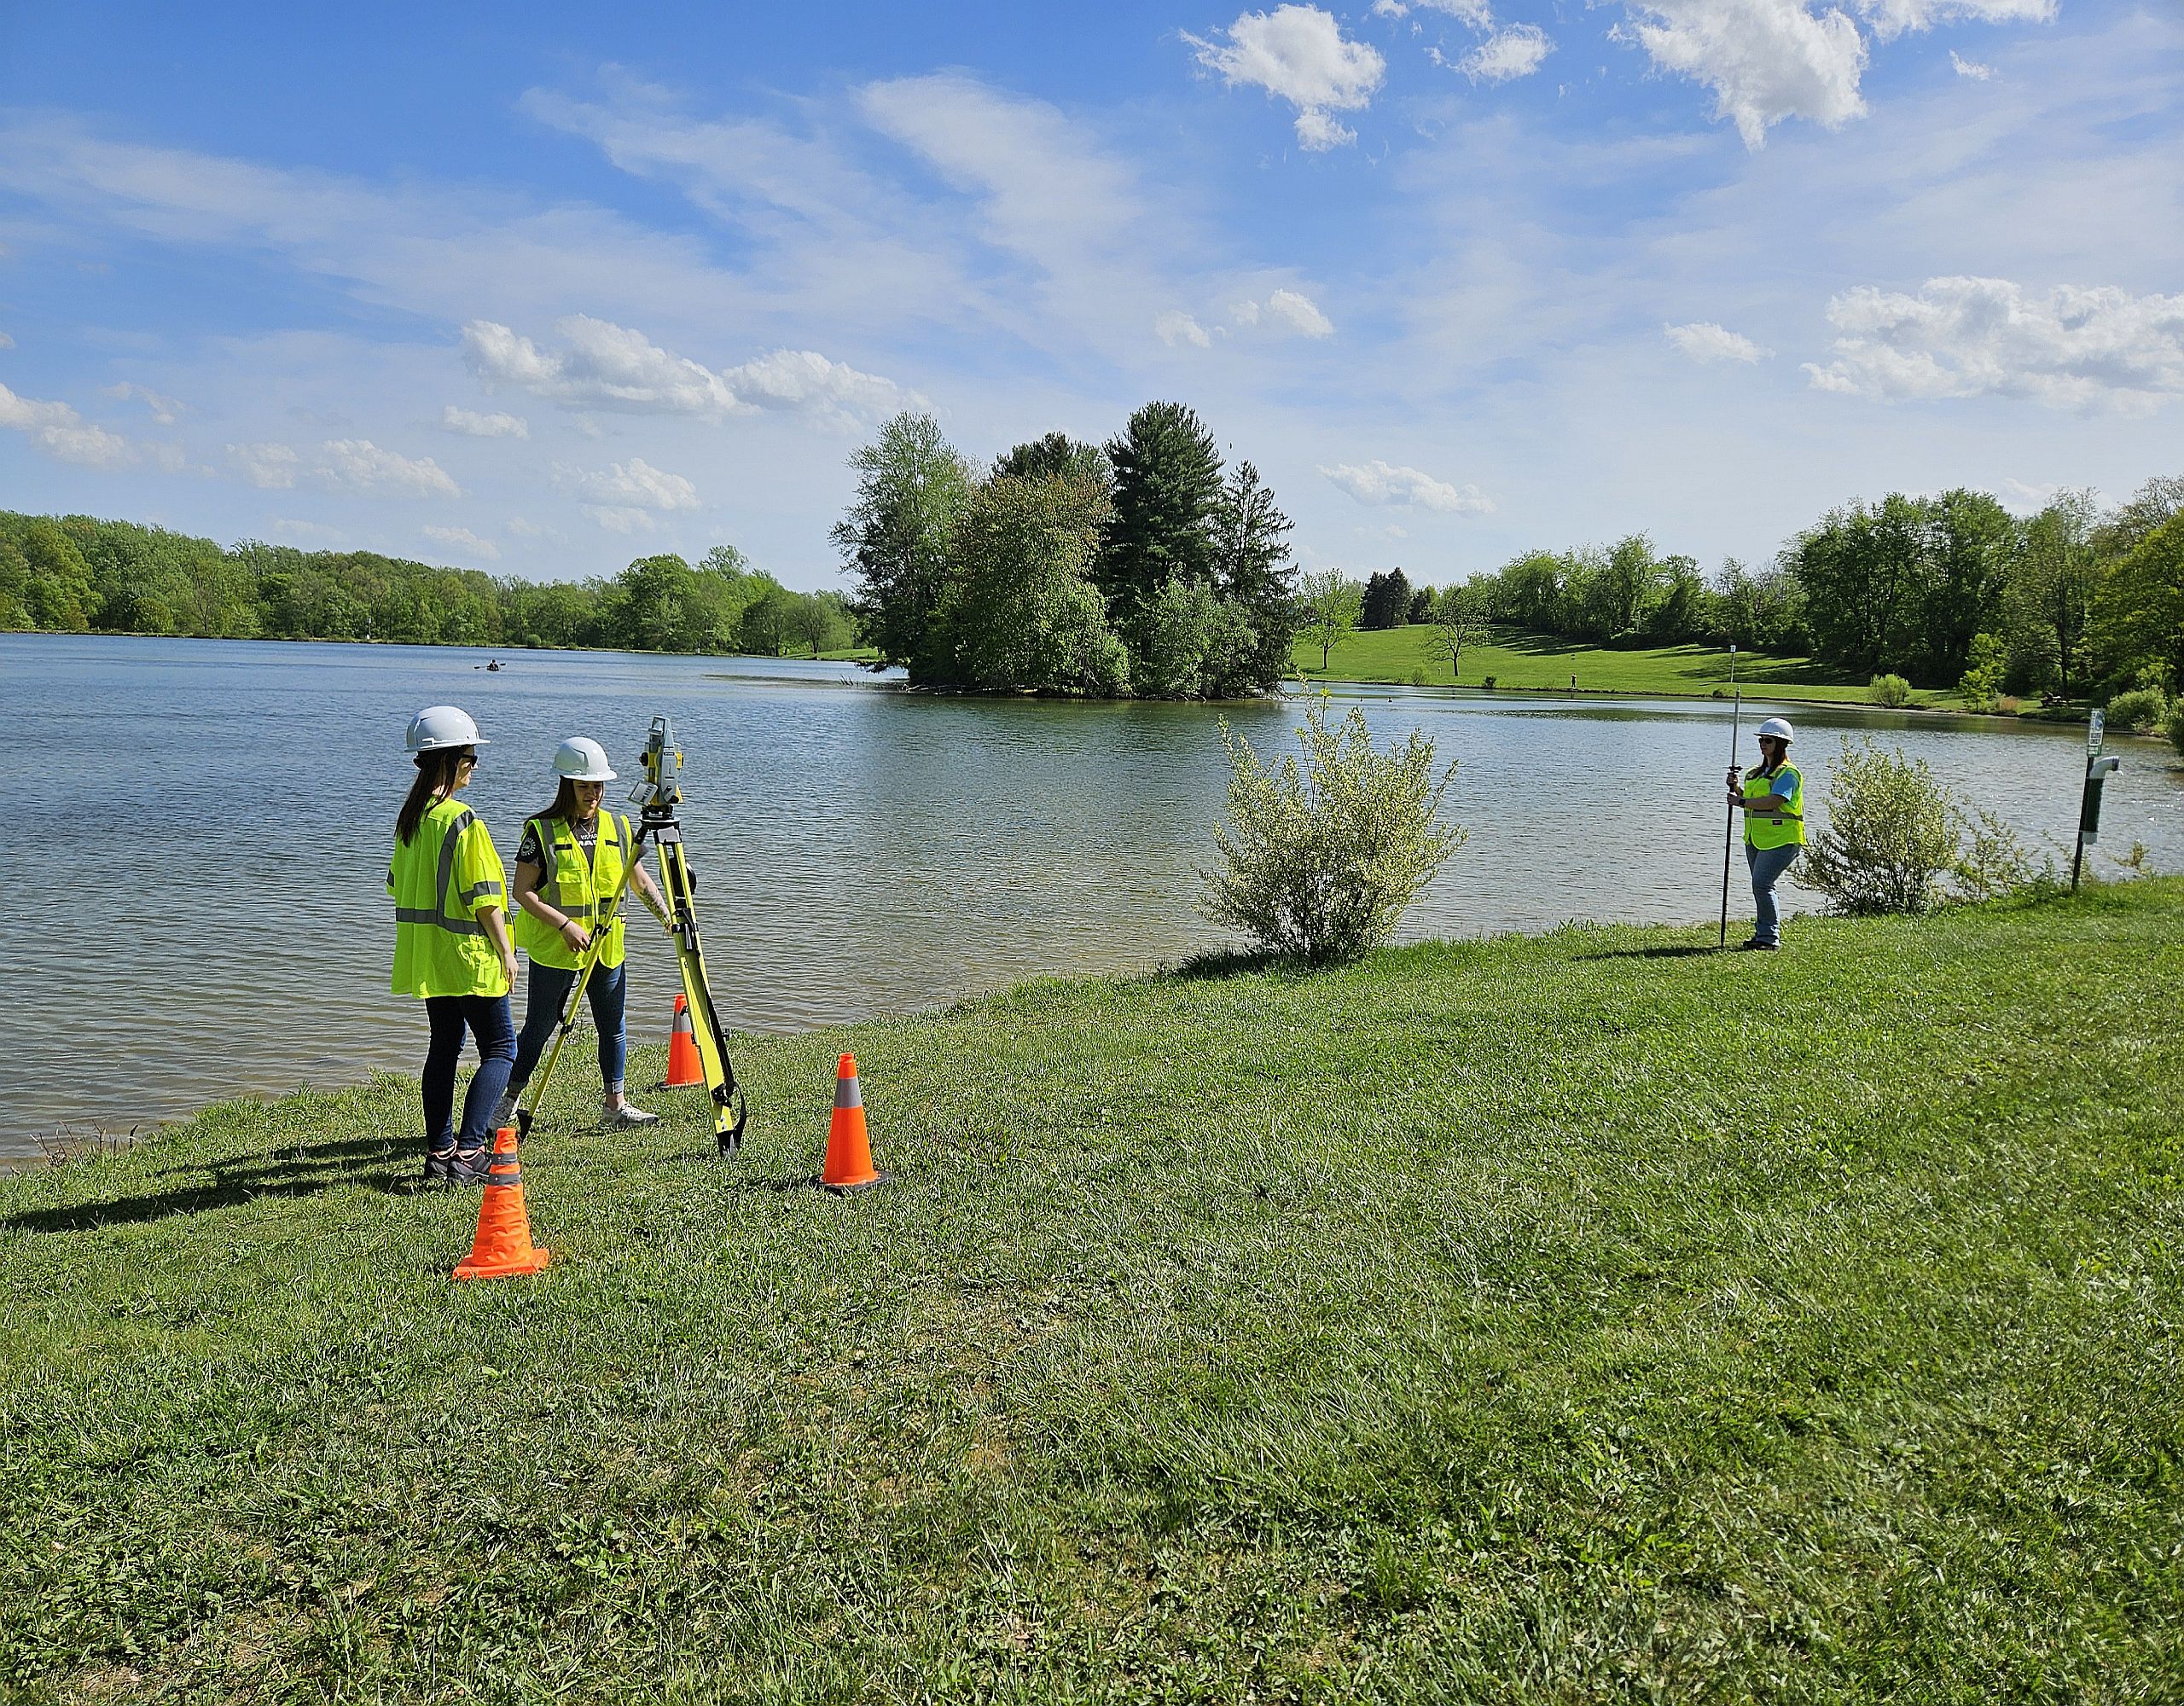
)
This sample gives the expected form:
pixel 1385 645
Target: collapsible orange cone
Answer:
pixel 683 1066
pixel 503 1244
pixel 849 1149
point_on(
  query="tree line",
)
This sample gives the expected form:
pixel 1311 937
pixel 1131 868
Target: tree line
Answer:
pixel 77 573
pixel 1950 591
pixel 1141 567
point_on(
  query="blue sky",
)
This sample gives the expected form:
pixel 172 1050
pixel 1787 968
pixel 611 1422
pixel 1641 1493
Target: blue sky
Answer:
pixel 539 289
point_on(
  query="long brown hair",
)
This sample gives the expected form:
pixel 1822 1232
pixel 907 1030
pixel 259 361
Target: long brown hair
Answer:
pixel 565 803
pixel 436 774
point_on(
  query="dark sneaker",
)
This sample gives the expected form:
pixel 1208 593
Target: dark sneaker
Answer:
pixel 471 1166
pixel 440 1167
pixel 1756 946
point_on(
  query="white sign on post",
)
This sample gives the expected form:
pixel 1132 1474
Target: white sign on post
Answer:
pixel 2092 728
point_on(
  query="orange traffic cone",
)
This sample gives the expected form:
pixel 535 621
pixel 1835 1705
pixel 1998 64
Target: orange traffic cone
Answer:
pixel 503 1244
pixel 683 1066
pixel 849 1149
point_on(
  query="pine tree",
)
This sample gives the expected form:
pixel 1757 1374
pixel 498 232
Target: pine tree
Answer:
pixel 1167 490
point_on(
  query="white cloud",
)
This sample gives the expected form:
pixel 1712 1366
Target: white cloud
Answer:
pixel 359 464
pixel 1286 310
pixel 621 518
pixel 606 366
pixel 524 528
pixel 6 342
pixel 1892 18
pixel 164 409
pixel 2072 348
pixel 462 539
pixel 350 464
pixel 1703 341
pixel 471 423
pixel 1476 13
pixel 1517 51
pixel 634 484
pixel 1378 482
pixel 61 433
pixel 1176 326
pixel 805 382
pixel 1297 53
pixel 1766 61
pixel 1969 67
pixel 2022 499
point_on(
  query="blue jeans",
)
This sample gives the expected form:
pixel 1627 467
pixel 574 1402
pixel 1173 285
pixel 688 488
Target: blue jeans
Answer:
pixel 485 1018
pixel 1767 864
pixel 542 1010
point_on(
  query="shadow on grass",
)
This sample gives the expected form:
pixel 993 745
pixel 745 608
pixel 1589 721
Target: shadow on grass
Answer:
pixel 1676 953
pixel 1217 963
pixel 298 1170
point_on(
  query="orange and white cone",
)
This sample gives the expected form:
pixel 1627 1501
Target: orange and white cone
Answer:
pixel 503 1246
pixel 848 1148
pixel 684 1068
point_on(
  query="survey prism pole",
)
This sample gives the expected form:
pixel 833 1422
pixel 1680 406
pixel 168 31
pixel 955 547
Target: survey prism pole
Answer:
pixel 1729 830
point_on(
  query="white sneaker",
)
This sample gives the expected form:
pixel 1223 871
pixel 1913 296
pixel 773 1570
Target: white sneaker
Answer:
pixel 628 1114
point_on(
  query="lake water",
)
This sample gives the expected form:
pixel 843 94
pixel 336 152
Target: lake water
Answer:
pixel 201 909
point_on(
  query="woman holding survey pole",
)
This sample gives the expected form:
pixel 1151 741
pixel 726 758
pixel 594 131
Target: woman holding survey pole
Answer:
pixel 452 941
pixel 567 870
pixel 1771 797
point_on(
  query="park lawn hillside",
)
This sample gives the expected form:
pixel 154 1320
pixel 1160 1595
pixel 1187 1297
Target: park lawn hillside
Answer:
pixel 1591 1316
pixel 1533 662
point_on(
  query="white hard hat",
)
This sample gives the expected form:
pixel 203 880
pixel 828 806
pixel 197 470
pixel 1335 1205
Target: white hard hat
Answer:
pixel 582 761
pixel 442 725
pixel 1779 726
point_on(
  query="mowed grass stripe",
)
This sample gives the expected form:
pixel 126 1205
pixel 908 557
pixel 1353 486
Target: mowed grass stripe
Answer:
pixel 1453 1324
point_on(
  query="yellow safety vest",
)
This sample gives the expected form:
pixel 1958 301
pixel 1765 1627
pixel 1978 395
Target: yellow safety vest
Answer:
pixel 575 887
pixel 441 882
pixel 1785 827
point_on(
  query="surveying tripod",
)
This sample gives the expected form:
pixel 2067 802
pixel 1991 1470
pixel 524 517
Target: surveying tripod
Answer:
pixel 656 798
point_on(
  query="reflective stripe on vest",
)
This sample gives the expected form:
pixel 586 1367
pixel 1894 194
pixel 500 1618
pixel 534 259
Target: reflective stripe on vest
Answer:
pixel 439 915
pixel 552 844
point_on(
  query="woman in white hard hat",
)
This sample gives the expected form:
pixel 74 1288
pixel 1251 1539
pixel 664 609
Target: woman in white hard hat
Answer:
pixel 568 867
pixel 451 942
pixel 1771 797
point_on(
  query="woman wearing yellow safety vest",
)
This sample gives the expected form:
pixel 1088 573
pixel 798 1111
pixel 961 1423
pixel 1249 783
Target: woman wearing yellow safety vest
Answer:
pixel 452 941
pixel 1773 800
pixel 568 869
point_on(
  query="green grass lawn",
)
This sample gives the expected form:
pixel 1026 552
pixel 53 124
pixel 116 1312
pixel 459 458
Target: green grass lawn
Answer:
pixel 1576 1318
pixel 1527 663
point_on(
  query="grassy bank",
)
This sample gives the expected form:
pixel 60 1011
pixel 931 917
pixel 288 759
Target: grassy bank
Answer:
pixel 1540 663
pixel 1583 1317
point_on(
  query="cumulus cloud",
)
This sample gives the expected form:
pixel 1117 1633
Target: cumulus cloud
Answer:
pixel 621 518
pixel 601 365
pixel 1176 326
pixel 1297 53
pixel 61 433
pixel 346 465
pixel 1970 68
pixel 1286 311
pixel 2072 347
pixel 1892 18
pixel 1476 13
pixel 474 425
pixel 1379 482
pixel 1517 51
pixel 636 484
pixel 1703 341
pixel 462 539
pixel 164 409
pixel 1766 61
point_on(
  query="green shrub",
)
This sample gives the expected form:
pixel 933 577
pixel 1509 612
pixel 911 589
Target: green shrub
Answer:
pixel 1892 691
pixel 1320 861
pixel 2142 710
pixel 2176 725
pixel 1418 678
pixel 1898 841
pixel 1982 680
pixel 1488 684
